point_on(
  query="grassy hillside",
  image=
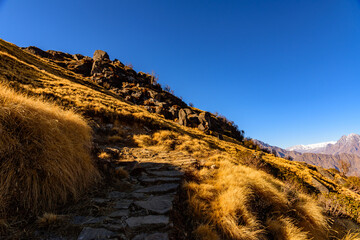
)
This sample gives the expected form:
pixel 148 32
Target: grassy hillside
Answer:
pixel 233 192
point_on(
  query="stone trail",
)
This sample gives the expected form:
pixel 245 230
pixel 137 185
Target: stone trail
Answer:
pixel 144 212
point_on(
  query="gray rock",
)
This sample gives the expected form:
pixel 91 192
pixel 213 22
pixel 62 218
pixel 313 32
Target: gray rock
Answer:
pixel 78 57
pixel 80 220
pixel 182 117
pixel 100 55
pixel 157 204
pixel 119 213
pixel 166 173
pixel 124 195
pixel 150 221
pixel 123 204
pixel 162 188
pixel 96 233
pixel 115 227
pixel 116 194
pixel 137 196
pixel 154 236
pixel 159 179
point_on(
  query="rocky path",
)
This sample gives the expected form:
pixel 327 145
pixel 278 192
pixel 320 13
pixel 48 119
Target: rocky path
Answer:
pixel 143 213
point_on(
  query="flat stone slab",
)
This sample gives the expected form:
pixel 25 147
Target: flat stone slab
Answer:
pixel 96 233
pixel 153 236
pixel 80 220
pixel 120 213
pixel 124 195
pixel 166 173
pixel 150 221
pixel 152 165
pixel 161 188
pixel 115 227
pixel 157 204
pixel 116 194
pixel 159 179
pixel 123 204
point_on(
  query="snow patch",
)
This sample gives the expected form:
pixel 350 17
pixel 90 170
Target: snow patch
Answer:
pixel 310 146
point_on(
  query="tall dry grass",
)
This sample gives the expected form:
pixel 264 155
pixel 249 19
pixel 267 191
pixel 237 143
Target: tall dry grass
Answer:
pixel 44 155
pixel 243 203
pixel 166 140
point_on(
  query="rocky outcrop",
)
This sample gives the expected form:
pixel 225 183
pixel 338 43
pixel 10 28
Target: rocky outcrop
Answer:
pixel 140 89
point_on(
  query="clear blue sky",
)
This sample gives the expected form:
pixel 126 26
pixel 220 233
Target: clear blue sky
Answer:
pixel 287 72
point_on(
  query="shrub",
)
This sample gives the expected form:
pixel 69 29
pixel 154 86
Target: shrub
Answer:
pixel 44 155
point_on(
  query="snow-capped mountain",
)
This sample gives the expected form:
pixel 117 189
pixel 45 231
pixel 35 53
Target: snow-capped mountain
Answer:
pixel 314 148
pixel 326 154
pixel 346 144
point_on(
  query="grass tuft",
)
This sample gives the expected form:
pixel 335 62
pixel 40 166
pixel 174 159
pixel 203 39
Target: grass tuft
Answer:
pixel 44 152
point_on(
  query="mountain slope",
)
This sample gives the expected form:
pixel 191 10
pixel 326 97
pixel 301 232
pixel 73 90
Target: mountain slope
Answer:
pixel 230 192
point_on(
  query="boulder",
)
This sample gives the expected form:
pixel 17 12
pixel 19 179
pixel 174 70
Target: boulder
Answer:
pixel 201 127
pixel 78 56
pixel 137 94
pixel 100 55
pixel 82 66
pixel 182 117
pixel 173 112
pixel 159 110
pixel 205 119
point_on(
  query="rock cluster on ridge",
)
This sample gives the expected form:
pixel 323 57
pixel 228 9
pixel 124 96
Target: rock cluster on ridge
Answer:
pixel 141 89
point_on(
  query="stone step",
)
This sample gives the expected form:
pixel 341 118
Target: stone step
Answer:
pixel 166 173
pixel 119 213
pixel 147 222
pixel 151 180
pixel 81 220
pixel 123 204
pixel 124 195
pixel 157 204
pixel 89 233
pixel 161 188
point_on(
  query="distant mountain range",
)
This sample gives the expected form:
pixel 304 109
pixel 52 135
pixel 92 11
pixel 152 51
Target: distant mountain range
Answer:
pixel 327 154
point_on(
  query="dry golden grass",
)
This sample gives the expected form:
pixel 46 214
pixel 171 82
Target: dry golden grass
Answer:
pixel 205 232
pixel 166 140
pixel 104 155
pixel 44 153
pixel 352 236
pixel 243 203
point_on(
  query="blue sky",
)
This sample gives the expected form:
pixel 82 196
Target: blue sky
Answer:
pixel 287 72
